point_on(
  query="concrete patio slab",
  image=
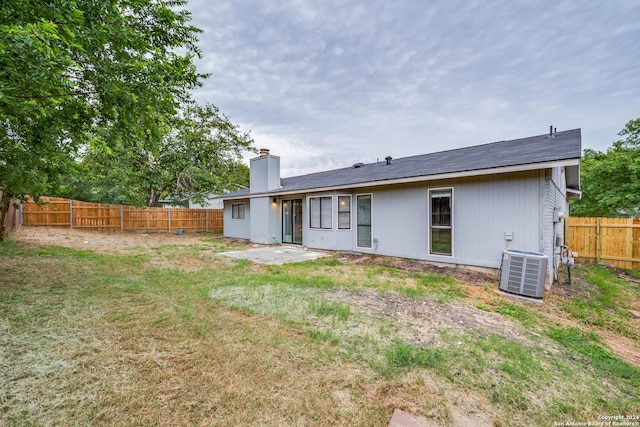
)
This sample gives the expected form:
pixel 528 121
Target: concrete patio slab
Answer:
pixel 276 255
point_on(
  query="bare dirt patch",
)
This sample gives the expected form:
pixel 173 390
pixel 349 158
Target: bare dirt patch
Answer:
pixel 135 243
pixel 467 275
pixel 101 241
pixel 427 319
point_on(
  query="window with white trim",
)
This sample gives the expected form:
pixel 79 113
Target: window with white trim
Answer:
pixel 441 226
pixel 320 212
pixel 344 212
pixel 237 210
pixel 363 202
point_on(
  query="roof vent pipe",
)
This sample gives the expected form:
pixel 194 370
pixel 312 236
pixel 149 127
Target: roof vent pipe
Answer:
pixel 551 135
pixel 388 159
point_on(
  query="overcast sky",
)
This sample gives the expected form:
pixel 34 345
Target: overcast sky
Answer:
pixel 325 84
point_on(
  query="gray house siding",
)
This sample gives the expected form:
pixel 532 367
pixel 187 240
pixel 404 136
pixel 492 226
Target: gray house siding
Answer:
pixel 553 227
pixel 399 221
pixel 237 228
pixel 484 209
pixel 487 208
pixel 320 238
pixel 265 227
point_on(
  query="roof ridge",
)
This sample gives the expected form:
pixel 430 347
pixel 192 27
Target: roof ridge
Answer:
pixel 399 159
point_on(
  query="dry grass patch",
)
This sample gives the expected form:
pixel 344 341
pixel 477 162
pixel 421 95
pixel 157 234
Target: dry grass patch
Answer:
pixel 176 335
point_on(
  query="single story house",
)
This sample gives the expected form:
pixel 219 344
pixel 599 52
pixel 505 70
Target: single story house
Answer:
pixel 459 207
pixel 211 201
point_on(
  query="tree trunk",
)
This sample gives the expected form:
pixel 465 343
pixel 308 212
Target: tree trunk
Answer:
pixel 154 200
pixel 4 209
pixel 152 197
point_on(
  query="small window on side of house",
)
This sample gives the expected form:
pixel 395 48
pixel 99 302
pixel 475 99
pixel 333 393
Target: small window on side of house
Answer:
pixel 344 212
pixel 441 225
pixel 237 211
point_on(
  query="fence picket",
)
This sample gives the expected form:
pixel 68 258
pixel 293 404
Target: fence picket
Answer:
pixel 612 241
pixel 58 212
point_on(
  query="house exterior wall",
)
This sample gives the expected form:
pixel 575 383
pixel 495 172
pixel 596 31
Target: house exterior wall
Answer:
pixel 552 225
pixel 264 228
pixel 237 228
pixel 484 209
pixel 320 238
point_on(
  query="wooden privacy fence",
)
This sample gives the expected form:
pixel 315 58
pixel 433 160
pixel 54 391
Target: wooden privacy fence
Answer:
pixel 614 241
pixel 58 212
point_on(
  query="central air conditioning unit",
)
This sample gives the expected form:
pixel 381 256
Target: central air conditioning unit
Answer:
pixel 523 273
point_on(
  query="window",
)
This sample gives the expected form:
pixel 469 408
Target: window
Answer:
pixel 237 211
pixel 344 212
pixel 441 230
pixel 320 212
pixel 364 220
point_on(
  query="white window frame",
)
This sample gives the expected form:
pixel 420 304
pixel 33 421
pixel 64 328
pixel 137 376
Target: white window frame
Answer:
pixel 371 225
pixel 430 213
pixel 244 211
pixel 350 204
pixel 320 216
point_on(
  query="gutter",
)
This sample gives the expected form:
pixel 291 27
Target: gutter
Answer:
pixel 421 178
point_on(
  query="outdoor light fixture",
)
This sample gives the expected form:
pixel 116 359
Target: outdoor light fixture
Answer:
pixel 275 200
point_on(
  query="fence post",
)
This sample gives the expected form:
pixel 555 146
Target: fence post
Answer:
pixel 121 220
pixel 598 241
pixel 206 220
pixel 71 213
pixel 169 220
pixel 628 252
pixel 21 213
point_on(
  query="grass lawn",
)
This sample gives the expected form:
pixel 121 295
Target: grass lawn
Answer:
pixel 175 334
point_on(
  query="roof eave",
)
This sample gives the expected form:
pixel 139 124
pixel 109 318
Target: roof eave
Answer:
pixel 574 194
pixel 421 178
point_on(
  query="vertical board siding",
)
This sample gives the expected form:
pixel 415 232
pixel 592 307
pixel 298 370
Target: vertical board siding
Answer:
pixel 399 221
pixel 485 208
pixel 58 212
pixel 555 191
pixel 237 228
pixel 614 241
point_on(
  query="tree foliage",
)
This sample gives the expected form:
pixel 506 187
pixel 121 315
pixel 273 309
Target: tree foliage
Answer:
pixel 611 180
pixel 199 152
pixel 74 71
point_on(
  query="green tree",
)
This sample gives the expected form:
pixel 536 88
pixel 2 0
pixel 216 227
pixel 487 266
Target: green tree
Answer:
pixel 199 152
pixel 71 70
pixel 611 180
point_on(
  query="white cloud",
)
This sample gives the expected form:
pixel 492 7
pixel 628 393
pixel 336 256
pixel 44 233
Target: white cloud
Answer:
pixel 325 84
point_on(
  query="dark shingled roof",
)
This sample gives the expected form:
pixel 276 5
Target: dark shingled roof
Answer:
pixel 566 145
